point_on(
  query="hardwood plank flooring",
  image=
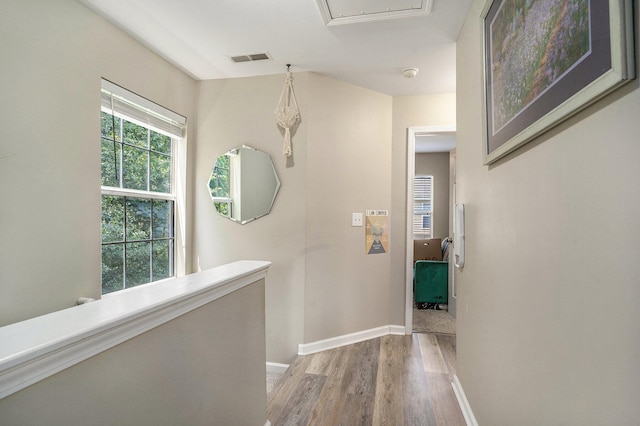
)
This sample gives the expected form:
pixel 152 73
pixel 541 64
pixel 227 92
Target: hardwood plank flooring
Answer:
pixel 392 380
pixel 388 403
pixel 418 407
pixel 432 355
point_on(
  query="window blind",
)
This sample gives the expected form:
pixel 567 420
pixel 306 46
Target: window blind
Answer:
pixel 422 206
pixel 119 101
pixel 422 187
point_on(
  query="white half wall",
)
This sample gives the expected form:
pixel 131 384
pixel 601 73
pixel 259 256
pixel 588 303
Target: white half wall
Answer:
pixel 183 358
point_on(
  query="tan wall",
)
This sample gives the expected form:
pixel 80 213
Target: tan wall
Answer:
pixel 348 170
pixel 408 111
pixel 54 54
pixel 437 165
pixel 347 158
pixel 51 207
pixel 548 301
pixel 321 283
pixel 202 368
pixel 240 111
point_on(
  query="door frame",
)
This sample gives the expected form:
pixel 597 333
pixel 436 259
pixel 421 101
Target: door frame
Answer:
pixel 412 132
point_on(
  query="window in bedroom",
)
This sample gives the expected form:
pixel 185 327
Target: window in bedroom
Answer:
pixel 139 146
pixel 422 207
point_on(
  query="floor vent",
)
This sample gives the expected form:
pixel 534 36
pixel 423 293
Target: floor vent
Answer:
pixel 251 57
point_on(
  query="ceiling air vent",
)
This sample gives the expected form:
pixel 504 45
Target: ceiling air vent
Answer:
pixel 251 57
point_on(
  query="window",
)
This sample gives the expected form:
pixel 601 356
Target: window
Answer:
pixel 422 207
pixel 138 184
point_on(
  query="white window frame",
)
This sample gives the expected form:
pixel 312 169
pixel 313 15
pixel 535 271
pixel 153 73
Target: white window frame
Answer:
pixel 136 109
pixel 418 230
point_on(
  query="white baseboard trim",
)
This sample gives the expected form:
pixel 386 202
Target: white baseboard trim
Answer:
pixel 469 418
pixel 274 367
pixel 397 330
pixel 349 339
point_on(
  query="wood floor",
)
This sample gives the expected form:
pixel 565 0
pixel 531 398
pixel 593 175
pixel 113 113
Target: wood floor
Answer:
pixel 392 380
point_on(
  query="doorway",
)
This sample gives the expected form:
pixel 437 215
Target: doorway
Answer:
pixel 427 139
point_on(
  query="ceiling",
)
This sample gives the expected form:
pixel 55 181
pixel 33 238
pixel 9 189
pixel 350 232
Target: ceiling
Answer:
pixel 200 36
pixel 427 143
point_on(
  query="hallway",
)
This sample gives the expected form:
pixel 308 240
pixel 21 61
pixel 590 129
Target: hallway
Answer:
pixel 392 380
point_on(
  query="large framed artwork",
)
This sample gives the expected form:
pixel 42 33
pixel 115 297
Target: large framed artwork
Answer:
pixel 545 60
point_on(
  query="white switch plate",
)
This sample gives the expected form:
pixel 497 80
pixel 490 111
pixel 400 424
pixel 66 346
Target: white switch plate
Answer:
pixel 356 219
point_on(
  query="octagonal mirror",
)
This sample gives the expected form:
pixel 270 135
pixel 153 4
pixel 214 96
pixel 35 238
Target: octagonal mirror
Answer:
pixel 243 184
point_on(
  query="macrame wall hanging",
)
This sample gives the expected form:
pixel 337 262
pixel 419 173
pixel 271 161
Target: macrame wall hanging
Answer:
pixel 287 114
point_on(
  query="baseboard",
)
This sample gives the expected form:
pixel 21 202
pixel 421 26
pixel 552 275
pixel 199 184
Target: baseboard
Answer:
pixel 469 418
pixel 397 330
pixel 274 367
pixel 349 339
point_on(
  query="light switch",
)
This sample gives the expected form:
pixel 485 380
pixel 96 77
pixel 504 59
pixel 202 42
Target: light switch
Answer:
pixel 356 219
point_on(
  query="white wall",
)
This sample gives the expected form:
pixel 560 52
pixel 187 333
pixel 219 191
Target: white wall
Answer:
pixel 437 165
pixel 53 56
pixel 549 298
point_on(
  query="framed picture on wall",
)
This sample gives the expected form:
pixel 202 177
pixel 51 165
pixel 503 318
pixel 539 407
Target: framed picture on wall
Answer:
pixel 545 60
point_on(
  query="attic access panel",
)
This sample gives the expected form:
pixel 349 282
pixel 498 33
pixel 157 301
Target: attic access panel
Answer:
pixel 337 12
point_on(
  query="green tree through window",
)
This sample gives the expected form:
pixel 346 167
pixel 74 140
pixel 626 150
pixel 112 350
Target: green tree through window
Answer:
pixel 138 206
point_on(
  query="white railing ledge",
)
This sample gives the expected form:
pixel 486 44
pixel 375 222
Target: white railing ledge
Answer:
pixel 37 348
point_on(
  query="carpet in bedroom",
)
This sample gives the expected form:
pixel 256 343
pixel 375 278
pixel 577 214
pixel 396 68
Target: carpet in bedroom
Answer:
pixel 433 321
